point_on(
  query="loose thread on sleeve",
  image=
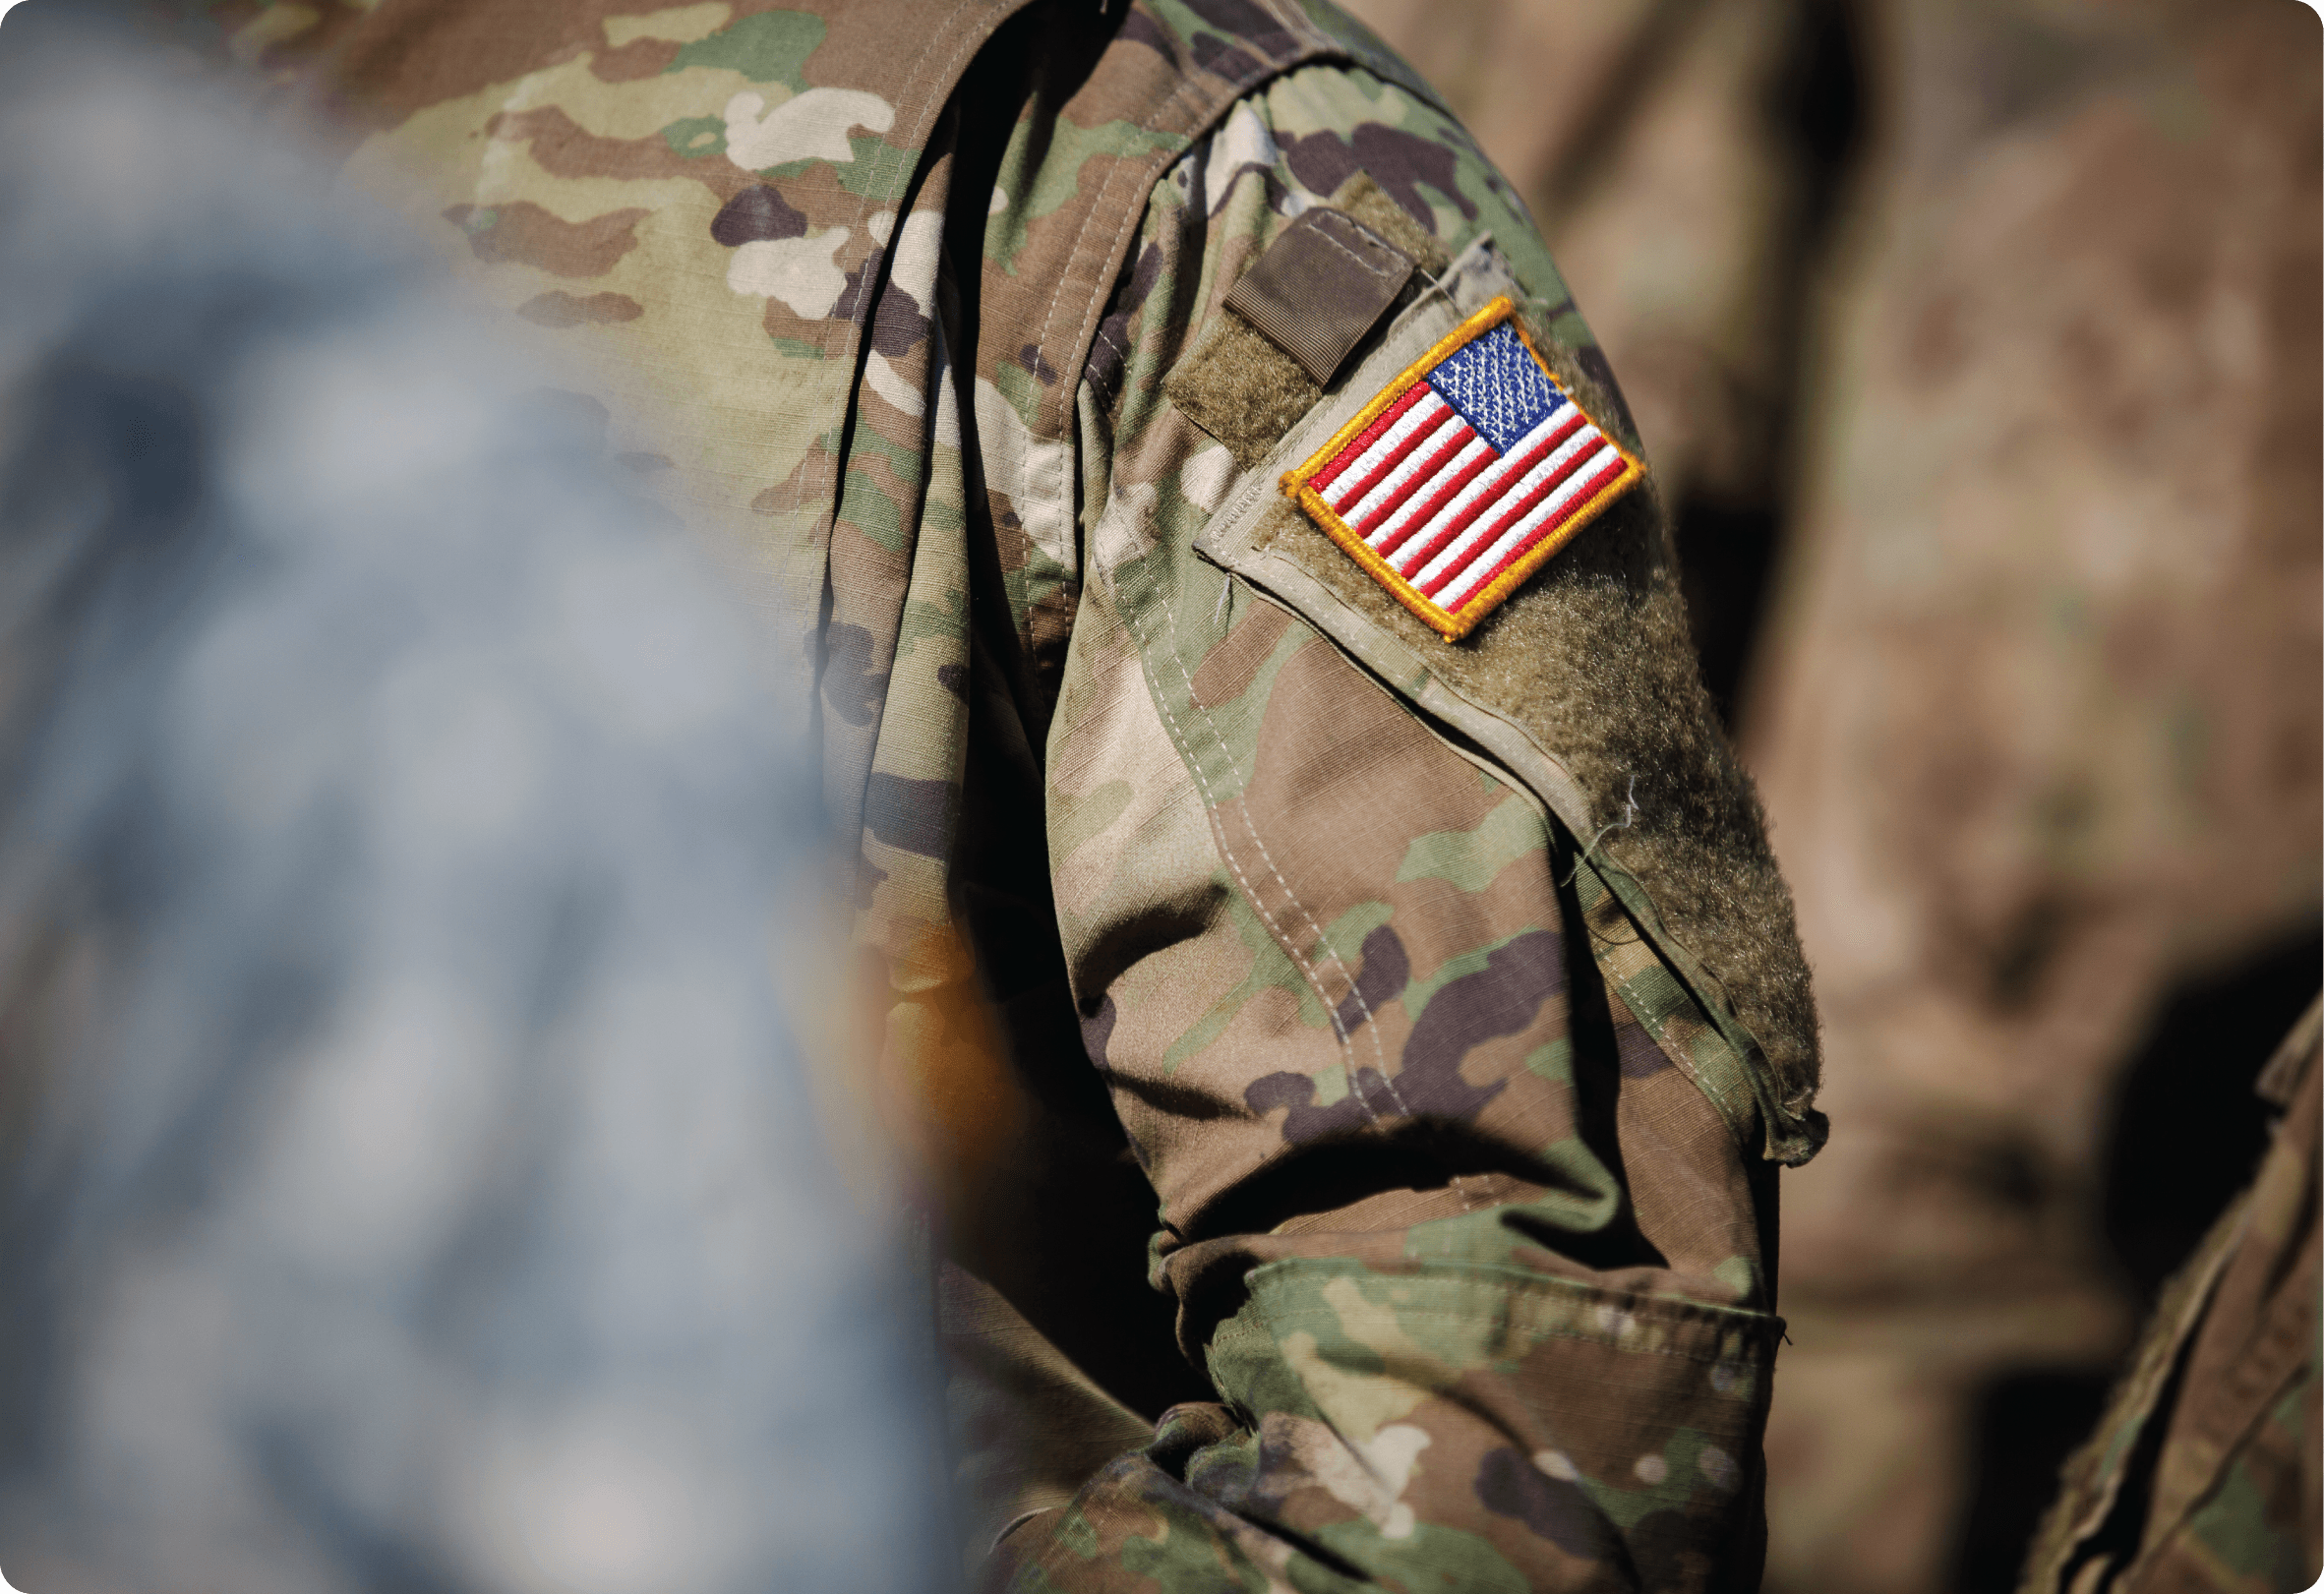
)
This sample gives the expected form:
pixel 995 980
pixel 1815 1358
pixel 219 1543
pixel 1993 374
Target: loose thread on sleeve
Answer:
pixel 1629 814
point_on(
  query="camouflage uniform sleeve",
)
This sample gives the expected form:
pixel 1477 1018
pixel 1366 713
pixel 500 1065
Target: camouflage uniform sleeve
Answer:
pixel 1461 1200
pixel 2202 1474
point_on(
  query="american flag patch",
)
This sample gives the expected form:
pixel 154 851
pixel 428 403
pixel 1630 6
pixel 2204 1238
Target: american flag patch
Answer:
pixel 1464 474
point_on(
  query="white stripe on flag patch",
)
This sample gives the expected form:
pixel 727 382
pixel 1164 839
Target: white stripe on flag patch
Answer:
pixel 1424 499
pixel 1482 567
pixel 1455 555
pixel 1365 472
pixel 1432 450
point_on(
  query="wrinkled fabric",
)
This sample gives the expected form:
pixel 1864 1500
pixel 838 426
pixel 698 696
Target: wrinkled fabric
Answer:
pixel 1306 1092
pixel 2204 1474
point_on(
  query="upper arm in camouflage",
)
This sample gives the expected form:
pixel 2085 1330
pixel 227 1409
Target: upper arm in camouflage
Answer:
pixel 1463 1197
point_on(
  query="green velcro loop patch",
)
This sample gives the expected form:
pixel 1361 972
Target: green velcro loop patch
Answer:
pixel 1240 387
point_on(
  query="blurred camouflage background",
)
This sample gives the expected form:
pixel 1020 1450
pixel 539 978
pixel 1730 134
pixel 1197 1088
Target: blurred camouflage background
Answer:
pixel 1977 342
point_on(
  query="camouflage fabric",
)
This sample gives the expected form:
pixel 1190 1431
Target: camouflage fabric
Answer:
pixel 1447 1004
pixel 2205 1473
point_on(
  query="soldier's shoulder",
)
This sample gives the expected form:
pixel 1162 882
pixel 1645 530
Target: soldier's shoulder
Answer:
pixel 1421 452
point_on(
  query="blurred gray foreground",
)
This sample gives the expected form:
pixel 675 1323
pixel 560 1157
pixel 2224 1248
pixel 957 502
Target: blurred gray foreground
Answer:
pixel 407 1181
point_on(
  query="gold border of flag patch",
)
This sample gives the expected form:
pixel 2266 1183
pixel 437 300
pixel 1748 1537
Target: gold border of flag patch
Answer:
pixel 1453 627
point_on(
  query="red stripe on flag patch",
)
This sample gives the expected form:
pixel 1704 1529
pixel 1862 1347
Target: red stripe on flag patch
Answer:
pixel 1446 485
pixel 1391 511
pixel 1603 478
pixel 1348 456
pixel 1424 422
pixel 1521 464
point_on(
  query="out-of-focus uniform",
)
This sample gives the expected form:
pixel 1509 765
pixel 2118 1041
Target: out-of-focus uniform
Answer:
pixel 1359 874
pixel 2204 1473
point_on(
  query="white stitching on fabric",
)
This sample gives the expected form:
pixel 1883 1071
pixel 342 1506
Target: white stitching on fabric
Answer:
pixel 1629 814
pixel 1383 272
pixel 1193 762
pixel 1379 1053
pixel 1095 305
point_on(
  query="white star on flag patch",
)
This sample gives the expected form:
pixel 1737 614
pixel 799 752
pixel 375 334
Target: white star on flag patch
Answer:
pixel 1464 474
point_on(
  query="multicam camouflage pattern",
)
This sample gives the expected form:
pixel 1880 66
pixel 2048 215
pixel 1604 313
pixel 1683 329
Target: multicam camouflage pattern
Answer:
pixel 2204 1474
pixel 1464 1218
